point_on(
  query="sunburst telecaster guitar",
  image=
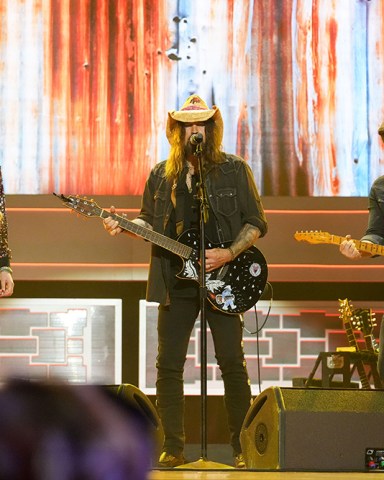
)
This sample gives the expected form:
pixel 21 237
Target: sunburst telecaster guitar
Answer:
pixel 233 288
pixel 325 237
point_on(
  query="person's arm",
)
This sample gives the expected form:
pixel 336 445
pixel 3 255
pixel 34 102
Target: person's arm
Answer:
pixel 6 279
pixel 255 223
pixel 251 207
pixel 217 257
pixel 375 229
pixel 245 239
pixel 6 282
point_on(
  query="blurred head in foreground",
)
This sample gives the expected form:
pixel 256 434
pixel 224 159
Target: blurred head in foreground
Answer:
pixel 63 432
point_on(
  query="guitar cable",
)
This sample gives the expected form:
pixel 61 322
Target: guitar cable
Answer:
pixel 258 330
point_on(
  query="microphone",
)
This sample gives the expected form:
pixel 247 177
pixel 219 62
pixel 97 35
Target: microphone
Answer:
pixel 196 138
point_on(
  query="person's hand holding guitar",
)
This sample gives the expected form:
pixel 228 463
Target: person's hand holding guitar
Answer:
pixel 349 250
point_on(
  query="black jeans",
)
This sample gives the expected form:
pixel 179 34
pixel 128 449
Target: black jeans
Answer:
pixel 175 324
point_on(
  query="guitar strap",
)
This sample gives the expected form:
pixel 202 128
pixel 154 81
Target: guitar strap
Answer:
pixel 178 201
pixel 219 231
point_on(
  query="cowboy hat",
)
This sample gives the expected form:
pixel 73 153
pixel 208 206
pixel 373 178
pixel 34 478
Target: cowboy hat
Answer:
pixel 381 130
pixel 194 110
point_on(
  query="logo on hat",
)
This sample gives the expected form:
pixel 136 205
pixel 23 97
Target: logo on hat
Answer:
pixel 193 110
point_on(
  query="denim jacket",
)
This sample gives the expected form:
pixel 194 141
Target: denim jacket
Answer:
pixel 233 201
pixel 375 230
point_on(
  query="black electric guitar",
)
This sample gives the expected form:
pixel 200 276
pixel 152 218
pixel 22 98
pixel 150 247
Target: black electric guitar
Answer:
pixel 348 324
pixel 364 320
pixel 233 288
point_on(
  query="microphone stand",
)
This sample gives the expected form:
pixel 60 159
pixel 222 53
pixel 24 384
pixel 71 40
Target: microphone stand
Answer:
pixel 203 462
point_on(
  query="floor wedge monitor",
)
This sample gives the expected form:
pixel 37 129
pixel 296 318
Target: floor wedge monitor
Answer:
pixel 313 429
pixel 134 396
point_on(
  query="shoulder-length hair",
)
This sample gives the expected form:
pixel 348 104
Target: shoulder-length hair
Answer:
pixel 178 154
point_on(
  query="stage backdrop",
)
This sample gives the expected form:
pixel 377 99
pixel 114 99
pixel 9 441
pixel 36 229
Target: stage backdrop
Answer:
pixel 85 86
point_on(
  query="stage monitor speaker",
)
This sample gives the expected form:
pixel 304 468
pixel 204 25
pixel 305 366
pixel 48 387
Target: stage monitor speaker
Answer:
pixel 141 402
pixel 312 429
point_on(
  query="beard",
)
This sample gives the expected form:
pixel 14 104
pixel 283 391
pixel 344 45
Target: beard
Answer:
pixel 190 149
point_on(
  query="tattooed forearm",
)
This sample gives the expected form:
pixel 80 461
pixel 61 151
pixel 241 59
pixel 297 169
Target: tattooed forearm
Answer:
pixel 246 238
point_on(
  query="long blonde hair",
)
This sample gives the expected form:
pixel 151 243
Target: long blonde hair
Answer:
pixel 177 155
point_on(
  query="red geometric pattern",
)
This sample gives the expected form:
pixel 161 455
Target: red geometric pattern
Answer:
pixel 285 348
pixel 70 339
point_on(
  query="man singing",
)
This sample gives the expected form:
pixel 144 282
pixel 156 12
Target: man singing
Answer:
pixel 236 217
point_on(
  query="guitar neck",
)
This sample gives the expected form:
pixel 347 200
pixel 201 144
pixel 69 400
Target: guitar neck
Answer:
pixel 366 323
pixel 372 248
pixel 371 344
pixel 359 365
pixel 169 244
pixel 351 335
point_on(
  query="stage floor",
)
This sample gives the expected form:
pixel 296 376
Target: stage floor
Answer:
pixel 218 467
pixel 180 474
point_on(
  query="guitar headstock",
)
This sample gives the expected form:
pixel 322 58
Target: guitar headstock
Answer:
pixel 313 236
pixel 82 205
pixel 345 310
pixel 364 320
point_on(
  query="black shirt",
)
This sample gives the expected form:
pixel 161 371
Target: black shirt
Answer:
pixel 187 210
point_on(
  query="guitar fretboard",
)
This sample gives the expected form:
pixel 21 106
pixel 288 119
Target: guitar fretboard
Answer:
pixel 346 317
pixel 169 244
pixel 372 248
